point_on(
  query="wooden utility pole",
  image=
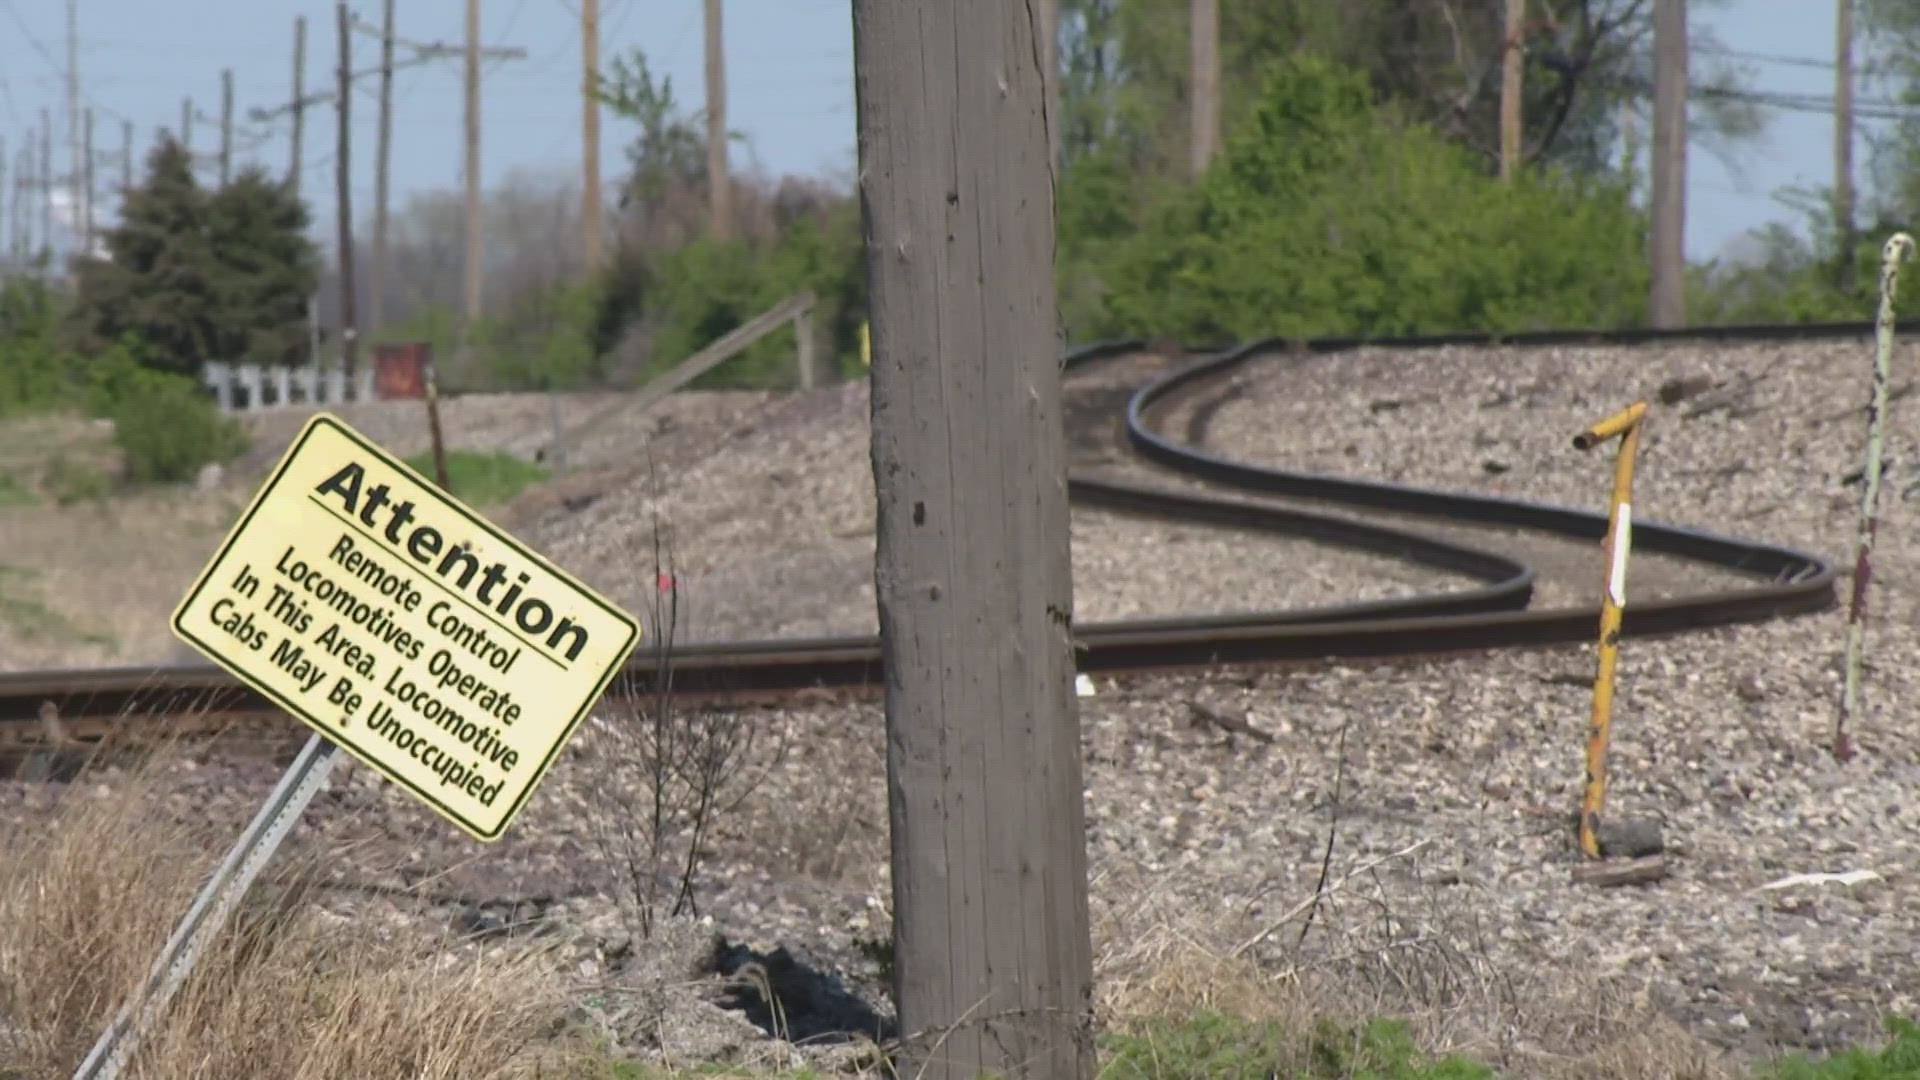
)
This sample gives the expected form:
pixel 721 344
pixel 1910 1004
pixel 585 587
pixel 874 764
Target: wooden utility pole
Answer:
pixel 126 162
pixel 299 109
pixel 349 329
pixel 78 204
pixel 1843 140
pixel 226 125
pixel 8 236
pixel 590 134
pixel 1668 306
pixel 22 221
pixel 972 572
pixel 86 181
pixel 186 125
pixel 1203 82
pixel 46 179
pixel 382 156
pixel 719 177
pixel 1512 69
pixel 473 175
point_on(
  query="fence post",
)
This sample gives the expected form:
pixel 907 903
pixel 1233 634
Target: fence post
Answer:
pixel 250 381
pixel 803 340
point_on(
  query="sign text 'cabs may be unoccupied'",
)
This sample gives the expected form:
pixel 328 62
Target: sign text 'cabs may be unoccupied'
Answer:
pixel 404 627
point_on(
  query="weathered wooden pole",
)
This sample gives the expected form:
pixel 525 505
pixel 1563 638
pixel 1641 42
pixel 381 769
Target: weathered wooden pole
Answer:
pixel 992 957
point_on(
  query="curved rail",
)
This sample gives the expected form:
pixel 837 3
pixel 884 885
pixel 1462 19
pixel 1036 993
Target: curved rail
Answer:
pixel 1493 615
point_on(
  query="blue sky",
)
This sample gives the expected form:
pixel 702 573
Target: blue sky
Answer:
pixel 789 64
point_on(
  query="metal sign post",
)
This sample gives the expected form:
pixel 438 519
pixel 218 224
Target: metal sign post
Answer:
pixel 210 909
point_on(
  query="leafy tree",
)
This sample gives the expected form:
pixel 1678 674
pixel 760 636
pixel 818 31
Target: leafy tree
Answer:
pixel 1332 214
pixel 1126 70
pixel 709 287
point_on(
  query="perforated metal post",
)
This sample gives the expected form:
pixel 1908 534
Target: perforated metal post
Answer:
pixel 210 909
pixel 1613 601
pixel 1898 247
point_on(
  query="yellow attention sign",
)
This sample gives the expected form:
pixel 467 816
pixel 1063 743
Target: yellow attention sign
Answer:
pixel 405 628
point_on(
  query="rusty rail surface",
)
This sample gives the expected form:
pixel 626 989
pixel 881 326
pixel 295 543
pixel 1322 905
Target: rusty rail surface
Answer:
pixel 1492 614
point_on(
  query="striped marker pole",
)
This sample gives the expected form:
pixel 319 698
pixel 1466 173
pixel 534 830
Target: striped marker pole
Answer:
pixel 1613 602
pixel 1898 247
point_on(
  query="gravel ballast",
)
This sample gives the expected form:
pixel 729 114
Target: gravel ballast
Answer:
pixel 1448 786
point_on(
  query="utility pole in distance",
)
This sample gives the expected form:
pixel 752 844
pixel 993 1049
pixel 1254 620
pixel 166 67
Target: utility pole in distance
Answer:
pixel 86 181
pixel 46 180
pixel 226 125
pixel 382 155
pixel 299 108
pixel 590 134
pixel 1843 139
pixel 1512 71
pixel 349 331
pixel 1203 82
pixel 972 576
pixel 1668 306
pixel 473 267
pixel 719 178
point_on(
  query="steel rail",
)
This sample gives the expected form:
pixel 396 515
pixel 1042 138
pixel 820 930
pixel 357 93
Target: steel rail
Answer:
pixel 1493 615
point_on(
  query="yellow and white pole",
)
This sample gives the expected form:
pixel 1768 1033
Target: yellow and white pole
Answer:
pixel 1626 425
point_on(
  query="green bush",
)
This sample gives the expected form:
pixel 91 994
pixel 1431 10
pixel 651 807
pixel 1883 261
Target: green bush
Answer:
pixel 705 289
pixel 1329 215
pixel 167 428
pixel 36 374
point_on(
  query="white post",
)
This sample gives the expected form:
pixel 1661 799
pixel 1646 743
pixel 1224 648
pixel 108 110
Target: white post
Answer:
pixel 216 377
pixel 250 380
pixel 282 386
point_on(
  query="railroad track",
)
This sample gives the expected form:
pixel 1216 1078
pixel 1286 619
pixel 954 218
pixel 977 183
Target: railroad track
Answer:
pixel 1494 611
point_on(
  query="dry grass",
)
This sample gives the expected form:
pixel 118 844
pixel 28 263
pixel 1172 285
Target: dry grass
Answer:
pixel 91 580
pixel 287 991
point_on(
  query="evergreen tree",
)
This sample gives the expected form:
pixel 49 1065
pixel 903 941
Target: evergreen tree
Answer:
pixel 194 275
pixel 157 284
pixel 267 268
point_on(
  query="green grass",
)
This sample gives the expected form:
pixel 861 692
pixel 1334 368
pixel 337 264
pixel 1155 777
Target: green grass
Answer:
pixel 31 616
pixel 1215 1046
pixel 13 492
pixel 1899 1060
pixel 482 479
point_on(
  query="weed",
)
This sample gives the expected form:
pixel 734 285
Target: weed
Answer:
pixel 71 481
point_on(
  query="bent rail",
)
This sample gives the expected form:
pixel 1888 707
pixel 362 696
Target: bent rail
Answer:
pixel 1493 615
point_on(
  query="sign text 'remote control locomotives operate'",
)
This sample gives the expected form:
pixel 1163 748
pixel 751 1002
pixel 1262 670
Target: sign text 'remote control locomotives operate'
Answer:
pixel 404 627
